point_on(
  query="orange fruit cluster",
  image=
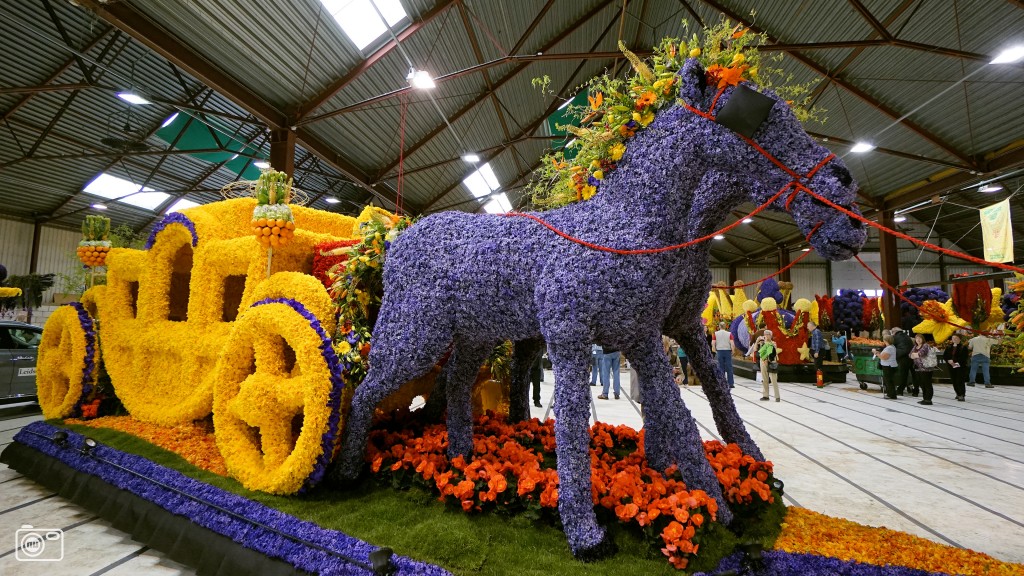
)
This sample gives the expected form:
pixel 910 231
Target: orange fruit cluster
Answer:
pixel 93 255
pixel 273 233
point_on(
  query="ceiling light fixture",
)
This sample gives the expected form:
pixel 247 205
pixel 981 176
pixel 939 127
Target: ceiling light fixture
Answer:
pixel 471 158
pixel 331 200
pixel 991 188
pixel 170 119
pixel 862 147
pixel 900 219
pixel 132 98
pixel 1009 56
pixel 806 250
pixel 420 79
pixel 263 165
pixel 748 220
pixel 719 237
pixel 99 206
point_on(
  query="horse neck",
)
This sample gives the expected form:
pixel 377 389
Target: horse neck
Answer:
pixel 713 199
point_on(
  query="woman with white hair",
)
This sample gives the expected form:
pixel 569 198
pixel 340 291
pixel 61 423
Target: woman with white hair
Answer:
pixel 765 350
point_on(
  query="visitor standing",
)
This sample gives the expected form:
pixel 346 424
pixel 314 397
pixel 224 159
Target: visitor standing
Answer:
pixel 981 352
pixel 765 350
pixel 723 351
pixel 536 377
pixel 887 358
pixel 839 342
pixel 905 366
pixel 925 361
pixel 817 345
pixel 609 363
pixel 595 363
pixel 684 364
pixel 956 358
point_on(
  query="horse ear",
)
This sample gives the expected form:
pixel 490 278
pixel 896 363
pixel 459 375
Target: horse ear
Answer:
pixel 692 81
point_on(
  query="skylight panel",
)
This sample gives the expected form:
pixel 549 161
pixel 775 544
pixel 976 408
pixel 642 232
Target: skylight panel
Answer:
pixel 114 188
pixel 182 204
pixel 499 205
pixel 360 22
pixel 482 181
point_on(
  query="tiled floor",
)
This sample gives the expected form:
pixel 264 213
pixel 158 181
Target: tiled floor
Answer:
pixel 952 472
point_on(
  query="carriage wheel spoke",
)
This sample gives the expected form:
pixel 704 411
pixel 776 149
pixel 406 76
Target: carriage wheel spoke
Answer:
pixel 275 426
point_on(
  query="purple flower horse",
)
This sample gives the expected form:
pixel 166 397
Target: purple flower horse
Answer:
pixel 467 282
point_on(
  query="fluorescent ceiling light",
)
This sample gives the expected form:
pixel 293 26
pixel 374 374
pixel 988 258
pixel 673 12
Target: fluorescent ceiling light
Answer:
pixel 132 98
pixel 359 20
pixel 563 104
pixel 471 158
pixel 1009 56
pixel 719 237
pixel 235 156
pixel 170 119
pixel 482 181
pixel 331 200
pixel 900 219
pixel 114 188
pixel 862 147
pixel 991 188
pixel 261 164
pixel 748 220
pixel 99 206
pixel 498 205
pixel 420 79
pixel 182 204
pixel 570 143
pixel 806 250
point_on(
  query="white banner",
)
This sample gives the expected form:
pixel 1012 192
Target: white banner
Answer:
pixel 997 232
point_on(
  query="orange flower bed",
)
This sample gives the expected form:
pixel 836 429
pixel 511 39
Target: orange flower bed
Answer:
pixel 193 441
pixel 809 532
pixel 513 470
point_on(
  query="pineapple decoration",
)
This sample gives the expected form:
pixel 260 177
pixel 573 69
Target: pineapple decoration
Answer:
pixel 272 220
pixel 95 244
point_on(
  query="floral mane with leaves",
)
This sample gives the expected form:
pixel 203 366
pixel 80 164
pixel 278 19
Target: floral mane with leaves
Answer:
pixel 617 109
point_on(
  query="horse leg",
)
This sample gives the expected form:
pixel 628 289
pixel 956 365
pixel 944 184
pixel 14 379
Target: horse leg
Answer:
pixel 465 365
pixel 399 353
pixel 523 359
pixel 671 432
pixel 587 539
pixel 433 409
pixel 715 387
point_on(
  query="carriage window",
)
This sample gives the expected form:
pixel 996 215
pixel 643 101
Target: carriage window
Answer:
pixel 234 287
pixel 181 276
pixel 133 297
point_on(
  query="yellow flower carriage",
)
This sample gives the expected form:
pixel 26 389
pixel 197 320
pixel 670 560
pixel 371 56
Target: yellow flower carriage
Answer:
pixel 195 325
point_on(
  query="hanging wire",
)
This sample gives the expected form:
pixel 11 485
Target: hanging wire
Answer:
pixel 927 239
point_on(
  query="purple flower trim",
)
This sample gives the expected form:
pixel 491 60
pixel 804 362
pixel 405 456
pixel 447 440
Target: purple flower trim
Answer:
pixel 337 388
pixel 260 527
pixel 89 370
pixel 780 563
pixel 172 218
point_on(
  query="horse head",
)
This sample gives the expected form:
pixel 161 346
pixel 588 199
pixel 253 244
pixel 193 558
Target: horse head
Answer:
pixel 755 136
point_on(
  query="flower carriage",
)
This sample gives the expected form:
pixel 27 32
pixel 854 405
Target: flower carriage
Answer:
pixel 198 324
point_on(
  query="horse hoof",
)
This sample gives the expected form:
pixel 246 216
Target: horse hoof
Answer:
pixel 603 549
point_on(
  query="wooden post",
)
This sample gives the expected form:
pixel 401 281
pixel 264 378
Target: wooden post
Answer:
pixel 783 262
pixel 282 151
pixel 890 270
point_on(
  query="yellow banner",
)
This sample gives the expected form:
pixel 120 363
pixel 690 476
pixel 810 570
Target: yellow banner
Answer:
pixel 996 232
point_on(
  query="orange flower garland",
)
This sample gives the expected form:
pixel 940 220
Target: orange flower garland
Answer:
pixel 193 441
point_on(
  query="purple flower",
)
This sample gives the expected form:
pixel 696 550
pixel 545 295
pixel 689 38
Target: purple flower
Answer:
pixel 779 563
pixel 467 282
pixel 172 218
pixel 271 532
pixel 89 369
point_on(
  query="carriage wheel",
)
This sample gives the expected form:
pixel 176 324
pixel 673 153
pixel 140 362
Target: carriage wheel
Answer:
pixel 277 398
pixel 66 369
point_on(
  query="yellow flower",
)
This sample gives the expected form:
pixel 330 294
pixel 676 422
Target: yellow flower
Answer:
pixel 343 347
pixel 617 151
pixel 738 59
pixel 595 164
pixel 695 52
pixel 599 175
pixel 589 191
pixel 643 119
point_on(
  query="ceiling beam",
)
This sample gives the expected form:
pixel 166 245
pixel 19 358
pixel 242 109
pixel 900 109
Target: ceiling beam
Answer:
pixel 880 28
pixel 849 87
pixel 948 180
pixel 338 85
pixel 529 29
pixel 875 43
pixel 916 157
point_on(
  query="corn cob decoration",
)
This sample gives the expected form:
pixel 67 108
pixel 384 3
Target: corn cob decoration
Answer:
pixel 95 244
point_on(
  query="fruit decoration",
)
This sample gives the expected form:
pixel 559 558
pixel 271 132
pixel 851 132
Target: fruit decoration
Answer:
pixel 272 220
pixel 919 296
pixel 95 244
pixel 848 311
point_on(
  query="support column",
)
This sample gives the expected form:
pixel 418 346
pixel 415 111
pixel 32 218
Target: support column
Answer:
pixel 783 262
pixel 890 270
pixel 282 151
pixel 37 231
pixel 732 274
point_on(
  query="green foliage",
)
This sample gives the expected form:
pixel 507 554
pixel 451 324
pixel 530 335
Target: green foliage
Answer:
pixel 124 236
pixel 96 228
pixel 273 187
pixel 32 288
pixel 619 108
pixel 500 361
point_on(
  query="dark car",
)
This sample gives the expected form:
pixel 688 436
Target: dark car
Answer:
pixel 19 347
